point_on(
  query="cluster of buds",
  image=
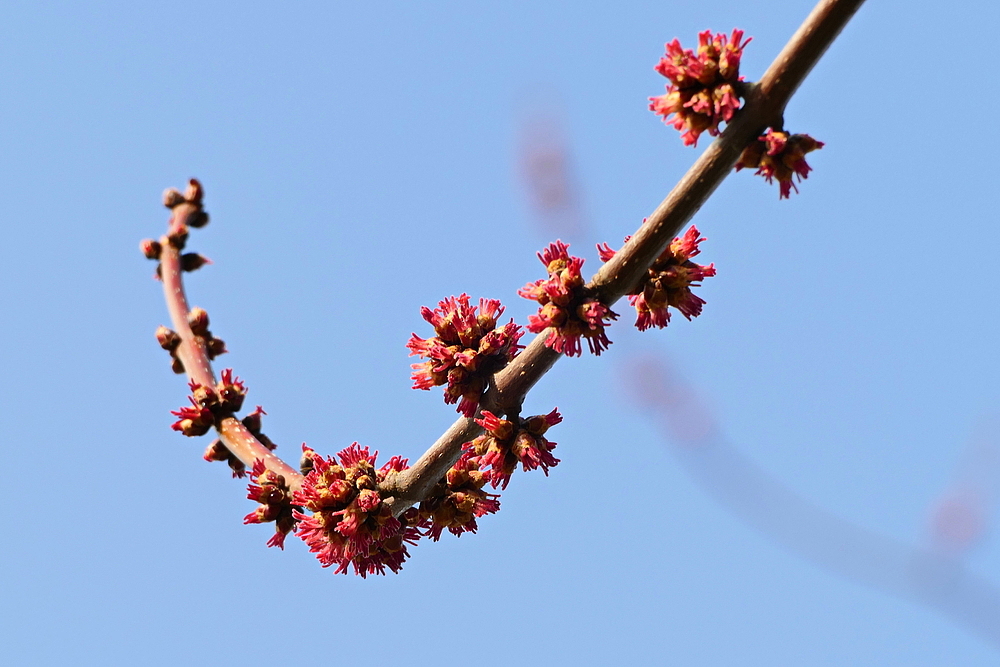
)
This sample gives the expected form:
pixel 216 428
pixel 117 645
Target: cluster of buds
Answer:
pixel 704 88
pixel 458 500
pixel 779 156
pixel 270 490
pixel 668 282
pixel 566 305
pixel 177 235
pixel 467 350
pixel 207 403
pixel 349 524
pixel 217 451
pixel 507 443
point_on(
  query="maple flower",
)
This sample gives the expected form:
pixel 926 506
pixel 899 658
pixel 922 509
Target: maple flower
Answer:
pixel 704 88
pixel 566 306
pixel 668 281
pixel 506 443
pixel 349 525
pixel 231 391
pixel 779 155
pixel 458 500
pixel 270 490
pixel 193 421
pixel 468 349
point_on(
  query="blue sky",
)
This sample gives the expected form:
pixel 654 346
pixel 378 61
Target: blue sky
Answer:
pixel 362 161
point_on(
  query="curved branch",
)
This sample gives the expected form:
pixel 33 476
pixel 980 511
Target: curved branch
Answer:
pixel 764 106
pixel 193 351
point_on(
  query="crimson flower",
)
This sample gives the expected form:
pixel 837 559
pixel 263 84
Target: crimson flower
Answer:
pixel 349 525
pixel 506 443
pixel 467 350
pixel 566 306
pixel 458 500
pixel 704 85
pixel 269 489
pixel 668 282
pixel 779 155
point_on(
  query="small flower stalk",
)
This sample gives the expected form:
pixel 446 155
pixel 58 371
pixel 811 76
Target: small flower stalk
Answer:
pixel 780 156
pixel 466 351
pixel 705 85
pixel 566 306
pixel 508 443
pixel 350 527
pixel 668 282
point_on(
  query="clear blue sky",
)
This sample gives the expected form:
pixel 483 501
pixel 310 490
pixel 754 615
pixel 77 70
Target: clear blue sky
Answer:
pixel 359 162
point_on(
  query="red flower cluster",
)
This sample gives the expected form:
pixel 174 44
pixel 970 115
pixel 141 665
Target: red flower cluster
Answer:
pixel 467 350
pixel 459 500
pixel 668 282
pixel 207 402
pixel 269 489
pixel 349 524
pixel 779 155
pixel 566 305
pixel 703 90
pixel 505 444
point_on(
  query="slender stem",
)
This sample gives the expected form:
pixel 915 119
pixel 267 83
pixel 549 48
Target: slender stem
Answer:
pixel 193 353
pixel 764 106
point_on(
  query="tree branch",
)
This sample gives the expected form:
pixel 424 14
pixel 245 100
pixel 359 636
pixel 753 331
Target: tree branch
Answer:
pixel 193 351
pixel 764 105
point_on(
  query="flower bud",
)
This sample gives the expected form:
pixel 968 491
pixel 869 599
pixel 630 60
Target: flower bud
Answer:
pixel 216 452
pixel 172 197
pixel 192 261
pixel 168 340
pixel 194 191
pixel 198 321
pixel 177 366
pixel 150 248
pixel 204 396
pixel 198 219
pixel 253 422
pixel 216 346
pixel 179 237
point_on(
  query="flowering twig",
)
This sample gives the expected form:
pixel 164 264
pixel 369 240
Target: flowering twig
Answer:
pixel 192 352
pixel 364 518
pixel 764 107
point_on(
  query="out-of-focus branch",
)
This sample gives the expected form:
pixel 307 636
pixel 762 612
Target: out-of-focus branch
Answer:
pixel 193 350
pixel 764 105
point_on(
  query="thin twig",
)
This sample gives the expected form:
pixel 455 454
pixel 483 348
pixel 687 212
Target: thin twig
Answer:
pixel 193 352
pixel 763 107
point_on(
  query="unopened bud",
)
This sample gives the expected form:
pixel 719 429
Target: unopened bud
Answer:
pixel 179 237
pixel 266 441
pixel 192 428
pixel 177 366
pixel 216 452
pixel 307 462
pixel 172 197
pixel 216 346
pixel 198 219
pixel 237 466
pixel 252 420
pixel 168 340
pixel 192 261
pixel 198 321
pixel 194 191
pixel 150 248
